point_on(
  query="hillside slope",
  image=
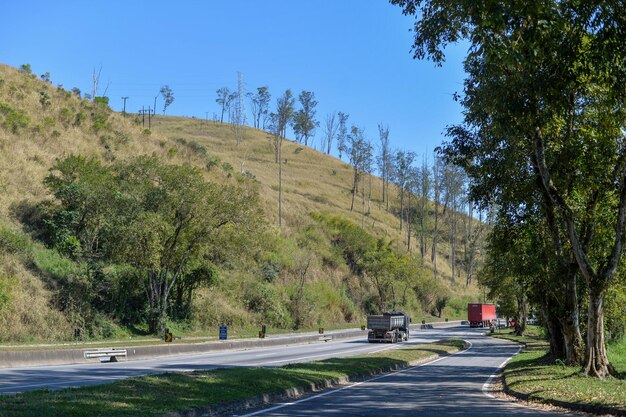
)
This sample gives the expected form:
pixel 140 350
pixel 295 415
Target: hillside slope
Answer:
pixel 41 123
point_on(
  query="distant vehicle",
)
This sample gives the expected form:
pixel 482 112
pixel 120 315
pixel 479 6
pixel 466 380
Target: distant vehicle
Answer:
pixel 391 326
pixel 481 315
pixel 531 320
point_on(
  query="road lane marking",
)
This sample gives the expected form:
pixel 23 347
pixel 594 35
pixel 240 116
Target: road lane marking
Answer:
pixel 487 384
pixel 356 384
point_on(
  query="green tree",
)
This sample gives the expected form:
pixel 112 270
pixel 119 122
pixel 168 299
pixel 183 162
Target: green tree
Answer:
pixel 224 98
pixel 165 222
pixel 342 133
pixel 174 220
pixel 304 122
pixel 168 96
pixel 544 94
pixel 260 106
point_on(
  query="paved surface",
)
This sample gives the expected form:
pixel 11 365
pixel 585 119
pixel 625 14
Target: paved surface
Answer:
pixel 451 386
pixel 14 380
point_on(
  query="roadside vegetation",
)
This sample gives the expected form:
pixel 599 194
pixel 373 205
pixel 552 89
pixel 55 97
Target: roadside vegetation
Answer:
pixel 542 141
pixel 110 230
pixel 153 395
pixel 539 376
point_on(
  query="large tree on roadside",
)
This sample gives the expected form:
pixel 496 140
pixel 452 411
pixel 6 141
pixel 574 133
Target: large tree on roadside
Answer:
pixel 545 91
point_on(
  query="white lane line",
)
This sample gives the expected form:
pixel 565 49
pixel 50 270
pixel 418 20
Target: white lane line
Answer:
pixel 356 384
pixel 487 385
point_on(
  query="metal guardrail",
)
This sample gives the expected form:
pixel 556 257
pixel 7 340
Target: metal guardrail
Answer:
pixel 105 353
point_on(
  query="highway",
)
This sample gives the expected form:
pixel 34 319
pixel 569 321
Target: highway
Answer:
pixel 15 380
pixel 451 386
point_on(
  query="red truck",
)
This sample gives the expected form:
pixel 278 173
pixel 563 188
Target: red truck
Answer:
pixel 481 315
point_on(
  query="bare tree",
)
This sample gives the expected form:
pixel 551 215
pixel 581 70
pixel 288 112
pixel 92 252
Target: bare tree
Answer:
pixel 330 131
pixel 357 152
pixel 95 81
pixel 424 194
pixel 436 168
pixel 279 122
pixel 384 160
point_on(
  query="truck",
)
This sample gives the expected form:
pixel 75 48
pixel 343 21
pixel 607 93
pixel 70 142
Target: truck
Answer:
pixel 481 315
pixel 391 327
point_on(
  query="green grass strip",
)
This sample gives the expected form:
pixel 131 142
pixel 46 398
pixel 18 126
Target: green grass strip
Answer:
pixel 537 375
pixel 152 395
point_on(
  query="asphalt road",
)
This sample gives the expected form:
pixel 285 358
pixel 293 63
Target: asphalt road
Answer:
pixel 14 380
pixel 450 386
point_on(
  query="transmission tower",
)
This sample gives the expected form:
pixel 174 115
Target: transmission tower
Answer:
pixel 241 111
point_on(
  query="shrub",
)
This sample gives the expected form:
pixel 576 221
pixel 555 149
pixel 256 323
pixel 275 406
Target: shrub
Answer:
pixel 79 118
pixel 212 162
pixel 265 299
pixel 14 119
pixel 6 285
pixel 14 242
pixel 101 100
pixel 44 99
pixel 26 68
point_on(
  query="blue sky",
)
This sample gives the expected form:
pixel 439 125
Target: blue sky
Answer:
pixel 353 54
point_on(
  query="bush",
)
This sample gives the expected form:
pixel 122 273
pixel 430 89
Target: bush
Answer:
pixel 6 285
pixel 14 242
pixel 15 120
pixel 26 68
pixel 44 99
pixel 265 299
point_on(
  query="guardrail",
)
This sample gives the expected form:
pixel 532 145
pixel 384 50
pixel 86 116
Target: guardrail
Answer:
pixel 111 354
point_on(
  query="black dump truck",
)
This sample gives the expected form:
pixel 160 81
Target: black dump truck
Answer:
pixel 391 327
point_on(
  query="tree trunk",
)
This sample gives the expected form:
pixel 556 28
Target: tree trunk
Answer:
pixel 408 225
pixel 573 341
pixel 354 187
pixel 555 332
pixel 596 362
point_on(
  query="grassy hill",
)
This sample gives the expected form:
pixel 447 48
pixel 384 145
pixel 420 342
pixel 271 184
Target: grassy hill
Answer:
pixel 41 123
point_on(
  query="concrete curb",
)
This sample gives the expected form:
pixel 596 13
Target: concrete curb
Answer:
pixel 25 358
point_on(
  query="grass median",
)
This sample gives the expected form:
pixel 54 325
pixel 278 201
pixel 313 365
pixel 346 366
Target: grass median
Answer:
pixel 159 394
pixel 539 377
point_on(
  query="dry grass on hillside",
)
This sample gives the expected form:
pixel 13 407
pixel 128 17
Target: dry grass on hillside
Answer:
pixel 65 124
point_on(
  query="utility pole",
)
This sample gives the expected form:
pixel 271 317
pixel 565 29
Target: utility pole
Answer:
pixel 143 112
pixel 124 110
